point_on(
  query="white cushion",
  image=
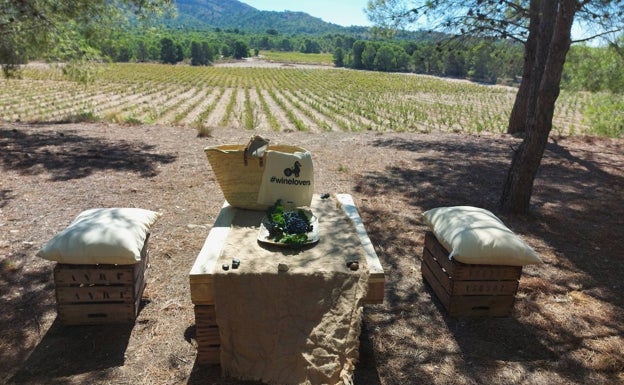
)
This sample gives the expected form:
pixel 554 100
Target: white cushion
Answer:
pixel 476 236
pixel 102 236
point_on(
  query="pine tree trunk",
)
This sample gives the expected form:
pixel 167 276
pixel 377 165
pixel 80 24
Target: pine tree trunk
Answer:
pixel 518 187
pixel 517 119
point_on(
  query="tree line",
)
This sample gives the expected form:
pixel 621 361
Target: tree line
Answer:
pixel 170 47
pixel 480 59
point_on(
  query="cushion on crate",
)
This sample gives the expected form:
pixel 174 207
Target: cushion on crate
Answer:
pixel 102 236
pixel 476 236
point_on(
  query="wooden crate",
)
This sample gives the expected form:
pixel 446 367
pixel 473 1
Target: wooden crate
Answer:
pixel 469 290
pixel 99 294
pixel 207 335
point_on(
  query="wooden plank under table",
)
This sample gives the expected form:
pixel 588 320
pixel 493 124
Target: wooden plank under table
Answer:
pixel 201 275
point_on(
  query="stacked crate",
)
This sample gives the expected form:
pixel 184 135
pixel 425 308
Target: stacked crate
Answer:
pixel 466 289
pixel 99 294
pixel 207 334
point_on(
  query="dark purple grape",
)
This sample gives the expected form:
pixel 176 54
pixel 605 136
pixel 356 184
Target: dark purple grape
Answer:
pixel 295 223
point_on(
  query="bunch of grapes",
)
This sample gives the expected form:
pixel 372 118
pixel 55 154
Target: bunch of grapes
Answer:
pixel 287 226
pixel 296 223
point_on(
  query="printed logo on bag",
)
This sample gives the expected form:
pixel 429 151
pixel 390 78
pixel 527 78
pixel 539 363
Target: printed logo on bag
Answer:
pixel 294 172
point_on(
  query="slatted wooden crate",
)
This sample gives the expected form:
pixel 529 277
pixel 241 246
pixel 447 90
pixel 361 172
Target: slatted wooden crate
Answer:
pixel 207 334
pixel 465 289
pixel 100 294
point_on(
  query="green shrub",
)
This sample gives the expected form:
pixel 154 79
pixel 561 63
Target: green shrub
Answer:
pixel 203 131
pixel 82 117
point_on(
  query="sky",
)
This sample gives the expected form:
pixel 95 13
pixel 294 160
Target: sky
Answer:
pixel 341 12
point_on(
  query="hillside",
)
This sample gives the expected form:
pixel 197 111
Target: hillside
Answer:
pixel 233 14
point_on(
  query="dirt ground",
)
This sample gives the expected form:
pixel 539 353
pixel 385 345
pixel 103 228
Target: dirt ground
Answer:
pixel 567 326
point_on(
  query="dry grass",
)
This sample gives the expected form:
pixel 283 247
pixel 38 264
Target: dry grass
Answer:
pixel 567 326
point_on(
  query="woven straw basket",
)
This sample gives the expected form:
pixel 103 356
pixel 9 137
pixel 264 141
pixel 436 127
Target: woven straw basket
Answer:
pixel 240 176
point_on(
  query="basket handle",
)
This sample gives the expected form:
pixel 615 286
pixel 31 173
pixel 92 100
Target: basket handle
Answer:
pixel 256 148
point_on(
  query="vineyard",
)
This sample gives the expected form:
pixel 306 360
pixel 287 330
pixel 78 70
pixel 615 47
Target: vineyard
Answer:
pixel 277 97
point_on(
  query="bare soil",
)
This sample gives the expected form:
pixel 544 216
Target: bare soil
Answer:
pixel 567 326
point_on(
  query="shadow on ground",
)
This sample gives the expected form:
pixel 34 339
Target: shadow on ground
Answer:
pixel 575 211
pixel 581 190
pixel 66 155
pixel 85 349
